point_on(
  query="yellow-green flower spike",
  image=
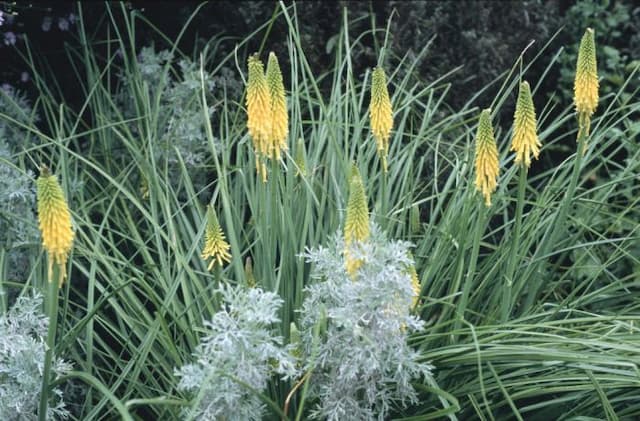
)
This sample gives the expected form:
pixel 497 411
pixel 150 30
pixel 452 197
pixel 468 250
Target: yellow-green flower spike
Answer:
pixel 295 339
pixel 414 220
pixel 55 222
pixel 144 187
pixel 279 117
pixel 486 160
pixel 357 219
pixel 356 225
pixel 300 159
pixel 215 244
pixel 586 86
pixel 248 273
pixel 415 282
pixel 258 101
pixel 525 140
pixel 381 114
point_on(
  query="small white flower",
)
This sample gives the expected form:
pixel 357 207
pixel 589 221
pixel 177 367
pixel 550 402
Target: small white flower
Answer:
pixel 9 38
pixel 46 23
pixel 63 24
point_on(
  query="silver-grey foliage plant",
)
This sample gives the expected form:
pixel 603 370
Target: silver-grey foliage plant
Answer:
pixel 179 133
pixel 23 330
pixel 239 349
pixel 354 331
pixel 18 227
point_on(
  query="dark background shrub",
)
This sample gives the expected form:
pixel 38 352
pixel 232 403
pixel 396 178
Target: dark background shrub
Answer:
pixel 484 37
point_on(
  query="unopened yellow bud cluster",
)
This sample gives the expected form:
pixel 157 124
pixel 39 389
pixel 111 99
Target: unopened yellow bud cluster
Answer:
pixel 525 140
pixel 215 245
pixel 55 222
pixel 356 224
pixel 381 114
pixel 486 161
pixel 586 85
pixel 267 119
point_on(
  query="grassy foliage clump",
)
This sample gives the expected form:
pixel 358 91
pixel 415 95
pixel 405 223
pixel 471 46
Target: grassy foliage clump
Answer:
pixel 528 307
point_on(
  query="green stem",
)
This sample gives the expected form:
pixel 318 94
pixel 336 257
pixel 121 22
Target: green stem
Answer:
pixel 515 242
pixel 236 261
pixel 461 240
pixel 383 202
pixel 475 251
pixel 273 225
pixel 557 226
pixel 51 307
pixel 3 276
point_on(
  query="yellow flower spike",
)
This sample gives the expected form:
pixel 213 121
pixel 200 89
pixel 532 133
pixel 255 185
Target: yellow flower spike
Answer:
pixel 55 222
pixel 258 103
pixel 486 161
pixel 279 117
pixel 586 85
pixel 356 224
pixel 525 140
pixel 381 114
pixel 215 244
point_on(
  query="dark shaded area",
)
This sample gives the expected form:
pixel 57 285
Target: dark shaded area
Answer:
pixel 485 37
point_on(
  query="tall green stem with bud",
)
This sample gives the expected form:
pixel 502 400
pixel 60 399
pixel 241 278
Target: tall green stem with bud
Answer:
pixel 586 100
pixel 57 238
pixel 524 143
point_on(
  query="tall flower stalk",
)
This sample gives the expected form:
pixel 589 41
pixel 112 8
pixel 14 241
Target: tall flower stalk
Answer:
pixel 57 238
pixel 487 168
pixel 524 143
pixel 586 99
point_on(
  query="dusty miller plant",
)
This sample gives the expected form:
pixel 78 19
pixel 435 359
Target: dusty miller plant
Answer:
pixel 23 330
pixel 180 122
pixel 354 331
pixel 17 112
pixel 238 350
pixel 18 228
